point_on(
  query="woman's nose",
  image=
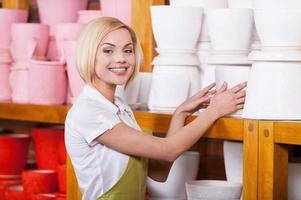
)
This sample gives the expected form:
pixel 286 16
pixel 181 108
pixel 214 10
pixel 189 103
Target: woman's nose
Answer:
pixel 119 57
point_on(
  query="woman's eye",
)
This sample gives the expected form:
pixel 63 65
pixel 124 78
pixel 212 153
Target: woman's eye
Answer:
pixel 107 51
pixel 128 50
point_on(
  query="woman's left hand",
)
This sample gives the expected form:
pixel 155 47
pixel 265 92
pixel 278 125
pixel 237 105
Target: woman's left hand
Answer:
pixel 197 101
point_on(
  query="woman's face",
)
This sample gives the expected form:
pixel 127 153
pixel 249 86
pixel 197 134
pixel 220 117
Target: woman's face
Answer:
pixel 115 59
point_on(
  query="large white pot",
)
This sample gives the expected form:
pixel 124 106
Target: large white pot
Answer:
pixel 230 29
pixel 144 90
pixel 273 91
pixel 176 57
pixel 232 75
pixel 174 186
pixel 279 28
pixel 176 27
pixel 172 85
pixel 207 5
pixel 277 4
pixel 213 189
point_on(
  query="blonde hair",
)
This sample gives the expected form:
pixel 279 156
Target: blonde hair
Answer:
pixel 93 35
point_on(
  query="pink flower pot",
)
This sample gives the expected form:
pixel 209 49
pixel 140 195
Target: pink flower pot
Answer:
pixel 38 181
pixel 5 89
pixel 7 18
pixel 14 192
pixel 65 11
pixel 27 35
pixel 85 16
pixel 48 148
pixel 121 9
pixel 19 82
pixel 66 31
pixel 75 81
pixel 47 82
pixel 13 153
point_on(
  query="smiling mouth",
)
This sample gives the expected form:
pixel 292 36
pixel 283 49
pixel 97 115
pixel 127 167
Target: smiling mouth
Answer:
pixel 118 69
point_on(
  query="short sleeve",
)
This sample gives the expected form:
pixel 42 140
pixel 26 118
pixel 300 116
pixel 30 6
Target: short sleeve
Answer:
pixel 91 121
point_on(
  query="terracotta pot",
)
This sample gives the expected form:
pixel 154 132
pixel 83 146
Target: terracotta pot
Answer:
pixel 14 193
pixel 13 153
pixel 38 181
pixel 48 145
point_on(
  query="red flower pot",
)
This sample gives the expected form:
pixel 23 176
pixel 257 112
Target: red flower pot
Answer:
pixel 60 196
pixel 14 193
pixel 13 153
pixel 38 181
pixel 49 147
pixel 61 171
pixel 44 196
pixel 6 183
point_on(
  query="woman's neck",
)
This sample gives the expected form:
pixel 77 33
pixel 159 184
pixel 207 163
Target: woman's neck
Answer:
pixel 108 91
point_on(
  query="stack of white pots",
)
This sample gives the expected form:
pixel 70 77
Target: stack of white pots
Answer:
pixel 7 18
pixel 175 73
pixel 274 86
pixel 230 31
pixel 204 44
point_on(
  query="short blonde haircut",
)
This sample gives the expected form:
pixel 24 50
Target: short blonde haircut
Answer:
pixel 93 34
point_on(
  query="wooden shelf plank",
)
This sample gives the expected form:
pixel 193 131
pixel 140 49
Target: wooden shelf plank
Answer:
pixel 33 113
pixel 287 132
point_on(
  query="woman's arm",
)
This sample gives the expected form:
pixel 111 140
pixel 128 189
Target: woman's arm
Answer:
pixel 130 141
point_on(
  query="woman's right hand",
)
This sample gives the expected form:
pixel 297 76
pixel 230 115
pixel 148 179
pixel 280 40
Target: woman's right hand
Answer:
pixel 227 101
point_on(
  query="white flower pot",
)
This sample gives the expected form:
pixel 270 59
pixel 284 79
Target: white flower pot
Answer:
pixel 230 29
pixel 174 186
pixel 176 27
pixel 280 28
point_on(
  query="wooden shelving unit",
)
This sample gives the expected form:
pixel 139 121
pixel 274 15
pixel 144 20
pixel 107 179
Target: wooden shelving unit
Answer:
pixel 265 144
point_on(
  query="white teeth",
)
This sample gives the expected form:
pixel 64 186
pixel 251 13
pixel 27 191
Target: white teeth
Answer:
pixel 122 69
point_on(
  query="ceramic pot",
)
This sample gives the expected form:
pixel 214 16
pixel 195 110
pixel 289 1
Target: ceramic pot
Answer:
pixel 230 29
pixel 120 9
pixel 186 22
pixel 213 189
pixel 273 91
pixel 285 22
pixel 38 181
pixel 5 88
pixel 28 36
pixel 65 11
pixel 47 82
pixel 14 192
pixel 85 16
pixel 174 186
pixel 13 153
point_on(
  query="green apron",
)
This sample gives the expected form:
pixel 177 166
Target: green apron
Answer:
pixel 132 184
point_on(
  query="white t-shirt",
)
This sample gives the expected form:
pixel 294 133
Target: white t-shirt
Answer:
pixel 97 167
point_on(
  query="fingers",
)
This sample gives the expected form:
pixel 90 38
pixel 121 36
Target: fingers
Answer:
pixel 205 90
pixel 222 88
pixel 241 100
pixel 238 87
pixel 240 94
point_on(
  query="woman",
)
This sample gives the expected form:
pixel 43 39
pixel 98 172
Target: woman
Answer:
pixel 107 148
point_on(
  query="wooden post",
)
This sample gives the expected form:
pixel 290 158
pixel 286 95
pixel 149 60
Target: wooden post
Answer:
pixel 73 192
pixel 141 23
pixel 250 160
pixel 273 162
pixel 16 4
